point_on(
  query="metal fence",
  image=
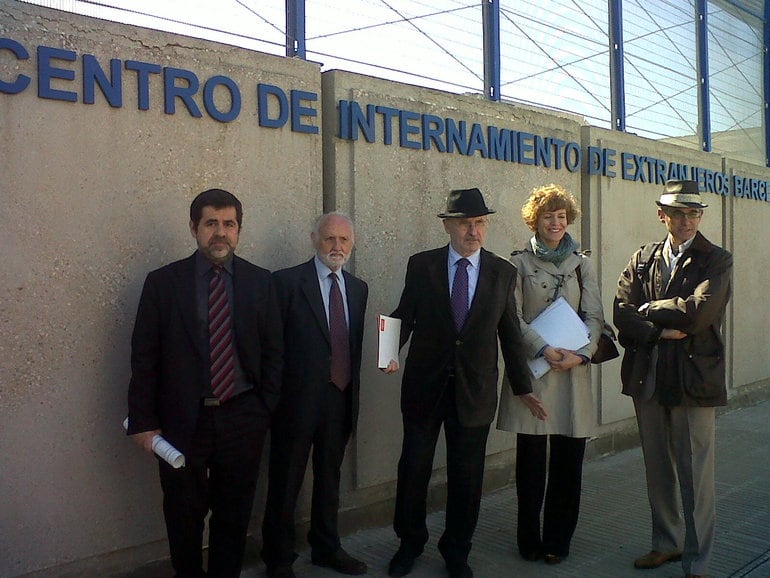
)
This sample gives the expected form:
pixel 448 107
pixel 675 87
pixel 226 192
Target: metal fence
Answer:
pixel 686 71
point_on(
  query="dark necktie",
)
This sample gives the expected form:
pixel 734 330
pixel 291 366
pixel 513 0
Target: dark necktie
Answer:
pixel 338 332
pixel 220 338
pixel 459 299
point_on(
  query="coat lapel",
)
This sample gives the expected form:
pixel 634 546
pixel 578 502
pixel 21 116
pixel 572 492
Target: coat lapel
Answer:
pixel 438 276
pixel 312 292
pixel 355 302
pixel 484 289
pixel 184 289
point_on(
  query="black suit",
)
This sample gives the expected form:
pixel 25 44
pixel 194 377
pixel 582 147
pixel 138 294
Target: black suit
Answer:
pixel 171 375
pixel 312 412
pixel 450 378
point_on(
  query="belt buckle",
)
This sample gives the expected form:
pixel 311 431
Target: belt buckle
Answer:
pixel 211 402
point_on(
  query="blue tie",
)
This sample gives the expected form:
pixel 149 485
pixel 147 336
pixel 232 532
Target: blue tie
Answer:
pixel 459 299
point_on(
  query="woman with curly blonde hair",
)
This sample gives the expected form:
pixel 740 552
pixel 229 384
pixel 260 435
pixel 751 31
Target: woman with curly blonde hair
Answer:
pixel 550 267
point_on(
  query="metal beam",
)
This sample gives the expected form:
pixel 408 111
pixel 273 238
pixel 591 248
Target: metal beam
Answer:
pixel 702 55
pixel 490 13
pixel 617 76
pixel 766 79
pixel 295 28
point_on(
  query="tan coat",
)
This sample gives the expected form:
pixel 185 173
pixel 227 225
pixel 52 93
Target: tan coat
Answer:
pixel 567 396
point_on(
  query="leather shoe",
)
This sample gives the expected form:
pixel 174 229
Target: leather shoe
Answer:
pixel 695 576
pixel 552 559
pixel 532 556
pixel 459 570
pixel 402 562
pixel 280 571
pixel 655 559
pixel 341 562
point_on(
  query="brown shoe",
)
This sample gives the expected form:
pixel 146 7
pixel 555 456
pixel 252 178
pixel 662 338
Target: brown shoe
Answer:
pixel 695 576
pixel 655 559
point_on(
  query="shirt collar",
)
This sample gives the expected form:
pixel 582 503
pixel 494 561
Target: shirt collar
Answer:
pixel 681 249
pixel 454 256
pixel 324 271
pixel 203 265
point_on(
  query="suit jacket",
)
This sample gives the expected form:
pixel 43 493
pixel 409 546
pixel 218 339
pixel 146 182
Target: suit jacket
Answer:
pixel 169 366
pixel 689 371
pixel 307 350
pixel 436 346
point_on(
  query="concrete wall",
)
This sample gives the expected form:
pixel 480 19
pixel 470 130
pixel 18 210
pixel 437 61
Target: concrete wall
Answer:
pixel 95 196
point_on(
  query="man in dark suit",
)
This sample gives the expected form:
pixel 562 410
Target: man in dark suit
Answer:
pixel 322 308
pixel 457 303
pixel 206 362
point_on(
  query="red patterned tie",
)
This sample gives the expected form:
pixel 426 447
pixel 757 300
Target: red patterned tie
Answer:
pixel 338 332
pixel 220 338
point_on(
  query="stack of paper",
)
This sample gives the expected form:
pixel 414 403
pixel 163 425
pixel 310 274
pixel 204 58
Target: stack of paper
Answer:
pixel 559 326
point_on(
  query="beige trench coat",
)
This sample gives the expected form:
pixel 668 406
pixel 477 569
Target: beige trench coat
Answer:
pixel 567 396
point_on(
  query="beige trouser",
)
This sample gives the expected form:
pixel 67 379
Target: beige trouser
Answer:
pixel 678 447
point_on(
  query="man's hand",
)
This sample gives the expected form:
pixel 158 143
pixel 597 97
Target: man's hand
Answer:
pixel 672 334
pixel 144 439
pixel 391 368
pixel 535 406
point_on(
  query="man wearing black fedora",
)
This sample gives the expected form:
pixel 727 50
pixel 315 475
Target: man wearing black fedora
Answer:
pixel 457 304
pixel 669 309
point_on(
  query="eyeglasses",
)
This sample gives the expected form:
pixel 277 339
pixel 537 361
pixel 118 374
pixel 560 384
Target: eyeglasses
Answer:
pixel 680 215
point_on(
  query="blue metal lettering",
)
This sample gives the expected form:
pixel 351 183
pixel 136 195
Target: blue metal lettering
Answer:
pixel 263 92
pixel 22 80
pixel 185 93
pixel 46 71
pixel 432 129
pixel 93 74
pixel 500 145
pixel 235 98
pixel 143 72
pixel 573 156
pixel 456 136
pixel 298 111
pixel 526 146
pixel 405 129
pixel 477 142
pixel 388 114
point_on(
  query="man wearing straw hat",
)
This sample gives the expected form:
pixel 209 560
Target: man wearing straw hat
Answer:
pixel 669 309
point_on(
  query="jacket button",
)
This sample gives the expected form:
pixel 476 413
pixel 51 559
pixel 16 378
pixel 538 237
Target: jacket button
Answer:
pixel 458 342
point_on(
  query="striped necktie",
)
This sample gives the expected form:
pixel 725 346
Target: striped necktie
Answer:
pixel 220 338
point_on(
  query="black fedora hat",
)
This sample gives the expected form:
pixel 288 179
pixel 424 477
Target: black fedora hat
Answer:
pixel 681 194
pixel 463 203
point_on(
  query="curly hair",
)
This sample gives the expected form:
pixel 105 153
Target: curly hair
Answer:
pixel 548 198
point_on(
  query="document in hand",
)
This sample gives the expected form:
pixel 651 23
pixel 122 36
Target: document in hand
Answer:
pixel 164 450
pixel 388 336
pixel 559 326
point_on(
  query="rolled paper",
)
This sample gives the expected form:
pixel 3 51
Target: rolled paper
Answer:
pixel 164 450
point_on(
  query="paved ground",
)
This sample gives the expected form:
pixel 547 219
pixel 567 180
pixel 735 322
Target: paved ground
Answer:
pixel 614 521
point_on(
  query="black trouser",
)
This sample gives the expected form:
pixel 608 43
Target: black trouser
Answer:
pixel 562 496
pixel 322 420
pixel 220 474
pixel 465 476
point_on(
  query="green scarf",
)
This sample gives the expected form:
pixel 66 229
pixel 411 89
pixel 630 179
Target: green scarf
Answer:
pixel 566 247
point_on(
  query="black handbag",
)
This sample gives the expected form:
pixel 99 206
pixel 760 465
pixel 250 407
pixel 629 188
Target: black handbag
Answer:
pixel 606 348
